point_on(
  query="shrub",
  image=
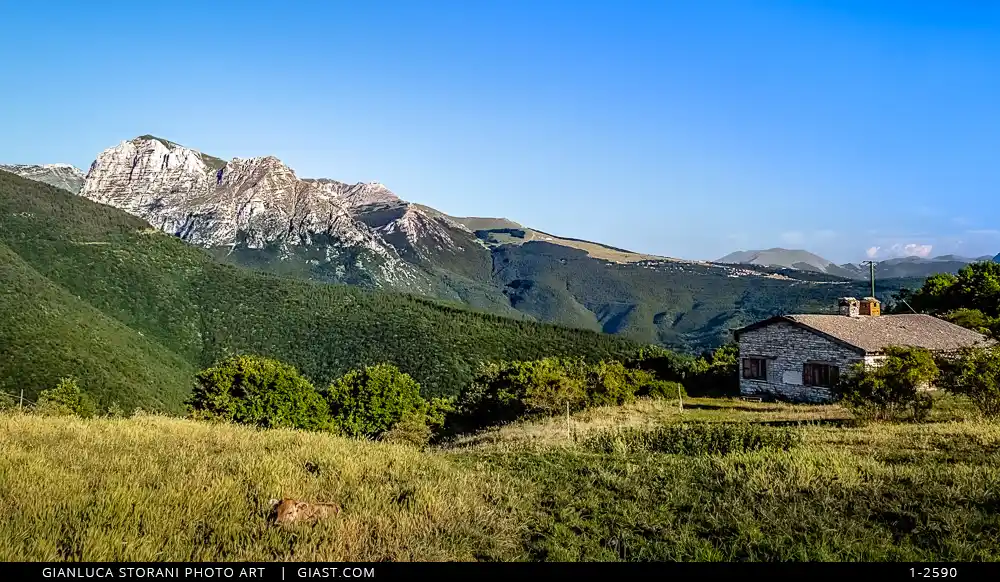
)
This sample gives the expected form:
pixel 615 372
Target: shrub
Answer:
pixel 411 430
pixel 66 399
pixel 976 374
pixel 258 391
pixel 610 383
pixel 892 388
pixel 695 439
pixel 505 391
pixel 661 362
pixel 437 412
pixel 369 401
pixel 425 423
pixel 663 389
pixel 7 402
pixel 714 374
pixel 114 410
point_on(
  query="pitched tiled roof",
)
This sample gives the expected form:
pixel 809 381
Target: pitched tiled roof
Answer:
pixel 873 334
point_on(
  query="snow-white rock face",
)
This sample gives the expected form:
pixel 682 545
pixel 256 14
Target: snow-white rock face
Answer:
pixel 259 203
pixel 63 176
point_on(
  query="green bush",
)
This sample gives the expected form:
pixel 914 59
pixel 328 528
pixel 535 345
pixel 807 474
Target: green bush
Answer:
pixel 714 374
pixel 506 391
pixel 7 402
pixel 662 389
pixel 661 362
pixel 892 388
pixel 437 412
pixel 258 391
pixel 975 373
pixel 66 399
pixel 369 401
pixel 695 439
pixel 115 410
pixel 610 383
pixel 412 430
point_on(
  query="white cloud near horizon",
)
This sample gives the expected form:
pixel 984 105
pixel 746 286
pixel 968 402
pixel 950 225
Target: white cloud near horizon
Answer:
pixel 900 250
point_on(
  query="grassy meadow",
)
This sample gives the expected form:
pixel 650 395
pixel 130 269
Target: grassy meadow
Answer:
pixel 159 488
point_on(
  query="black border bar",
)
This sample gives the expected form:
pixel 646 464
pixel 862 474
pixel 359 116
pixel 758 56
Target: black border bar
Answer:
pixel 483 571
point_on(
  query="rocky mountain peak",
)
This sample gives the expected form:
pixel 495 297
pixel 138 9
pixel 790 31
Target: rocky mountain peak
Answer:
pixel 259 203
pixel 65 176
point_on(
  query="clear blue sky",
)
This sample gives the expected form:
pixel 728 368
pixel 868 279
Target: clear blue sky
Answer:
pixel 689 129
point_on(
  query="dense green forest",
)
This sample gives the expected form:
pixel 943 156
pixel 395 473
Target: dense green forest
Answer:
pixel 681 305
pixel 93 292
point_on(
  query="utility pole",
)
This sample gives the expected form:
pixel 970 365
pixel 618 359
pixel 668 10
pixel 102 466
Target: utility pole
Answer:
pixel 871 264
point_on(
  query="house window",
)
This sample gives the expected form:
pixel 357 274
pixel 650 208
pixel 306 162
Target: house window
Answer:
pixel 823 375
pixel 755 368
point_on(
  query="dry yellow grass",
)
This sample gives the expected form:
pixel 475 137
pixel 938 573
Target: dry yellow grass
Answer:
pixel 557 432
pixel 156 488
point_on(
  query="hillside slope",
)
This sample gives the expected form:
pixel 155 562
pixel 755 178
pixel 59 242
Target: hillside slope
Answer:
pixel 73 256
pixel 686 306
pixel 45 332
pixel 258 213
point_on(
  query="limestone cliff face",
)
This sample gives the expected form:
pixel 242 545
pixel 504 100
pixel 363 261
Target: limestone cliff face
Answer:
pixel 259 203
pixel 62 176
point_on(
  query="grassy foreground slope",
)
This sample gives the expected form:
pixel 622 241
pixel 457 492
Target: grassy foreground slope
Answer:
pixel 158 489
pixel 152 488
pixel 147 284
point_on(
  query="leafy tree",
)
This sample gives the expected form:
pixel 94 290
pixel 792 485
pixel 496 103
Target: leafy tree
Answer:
pixel 716 373
pixel 976 287
pixel 974 319
pixel 893 387
pixel 661 362
pixel 976 373
pixel 368 402
pixel 66 399
pixel 258 391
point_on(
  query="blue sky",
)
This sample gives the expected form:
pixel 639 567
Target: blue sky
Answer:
pixel 688 129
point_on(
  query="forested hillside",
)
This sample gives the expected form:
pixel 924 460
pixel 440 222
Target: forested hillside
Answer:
pixel 91 291
pixel 683 305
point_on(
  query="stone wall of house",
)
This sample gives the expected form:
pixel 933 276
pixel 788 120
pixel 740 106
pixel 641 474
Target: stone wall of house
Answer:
pixel 787 348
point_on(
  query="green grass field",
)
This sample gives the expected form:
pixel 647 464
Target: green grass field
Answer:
pixel 158 488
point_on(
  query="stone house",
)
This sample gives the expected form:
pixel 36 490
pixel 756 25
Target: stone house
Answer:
pixel 800 357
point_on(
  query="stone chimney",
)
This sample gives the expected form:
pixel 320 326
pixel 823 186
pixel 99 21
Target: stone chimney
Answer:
pixel 870 306
pixel 849 306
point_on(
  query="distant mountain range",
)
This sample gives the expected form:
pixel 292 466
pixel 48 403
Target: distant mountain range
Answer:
pixel 256 212
pixel 886 269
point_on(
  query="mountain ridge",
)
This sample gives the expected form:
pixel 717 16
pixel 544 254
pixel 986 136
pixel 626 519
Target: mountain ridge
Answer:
pixel 257 212
pixel 892 268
